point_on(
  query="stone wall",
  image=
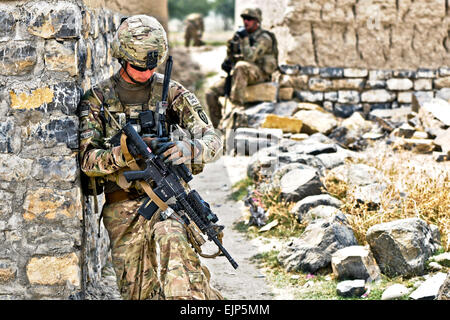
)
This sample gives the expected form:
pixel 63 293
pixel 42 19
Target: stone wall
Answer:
pixel 346 90
pixel 51 52
pixel 371 34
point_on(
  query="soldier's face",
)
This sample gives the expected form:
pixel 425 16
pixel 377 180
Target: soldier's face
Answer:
pixel 139 75
pixel 250 24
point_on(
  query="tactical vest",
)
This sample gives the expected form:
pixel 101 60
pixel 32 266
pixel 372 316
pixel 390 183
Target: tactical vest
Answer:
pixel 124 114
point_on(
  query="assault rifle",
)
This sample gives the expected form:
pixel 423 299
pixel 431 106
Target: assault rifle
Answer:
pixel 190 207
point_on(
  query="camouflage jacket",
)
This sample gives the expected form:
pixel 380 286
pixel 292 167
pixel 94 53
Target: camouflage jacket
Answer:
pixel 99 158
pixel 258 48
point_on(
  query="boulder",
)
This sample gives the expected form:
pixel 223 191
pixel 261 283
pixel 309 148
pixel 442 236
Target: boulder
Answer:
pixel 287 124
pixel 444 291
pixel 443 141
pixel 300 183
pixel 401 247
pixel 313 249
pixel 247 141
pixel 302 207
pixel 316 121
pixel 266 91
pixel 355 262
pixel 351 288
pixel 394 291
pixel 429 289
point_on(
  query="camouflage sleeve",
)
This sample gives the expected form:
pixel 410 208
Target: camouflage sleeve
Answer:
pixel 194 119
pixel 258 50
pixel 96 160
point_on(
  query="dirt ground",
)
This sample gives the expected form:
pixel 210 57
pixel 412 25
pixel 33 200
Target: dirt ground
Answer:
pixel 214 184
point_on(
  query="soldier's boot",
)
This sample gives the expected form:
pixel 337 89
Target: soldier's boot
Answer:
pixel 214 107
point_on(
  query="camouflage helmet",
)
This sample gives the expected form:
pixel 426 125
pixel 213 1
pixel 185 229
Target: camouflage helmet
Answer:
pixel 252 13
pixel 142 41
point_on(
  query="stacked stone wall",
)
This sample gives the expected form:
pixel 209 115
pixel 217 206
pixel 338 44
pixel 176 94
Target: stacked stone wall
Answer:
pixel 50 53
pixel 346 90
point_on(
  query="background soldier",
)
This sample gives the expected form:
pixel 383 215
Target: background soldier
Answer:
pixel 141 45
pixel 251 59
pixel 194 30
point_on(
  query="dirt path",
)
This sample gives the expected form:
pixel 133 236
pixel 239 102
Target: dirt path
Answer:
pixel 214 184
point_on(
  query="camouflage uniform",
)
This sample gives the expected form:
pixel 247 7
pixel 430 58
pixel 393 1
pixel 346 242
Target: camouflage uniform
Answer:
pixel 152 258
pixel 194 30
pixel 254 64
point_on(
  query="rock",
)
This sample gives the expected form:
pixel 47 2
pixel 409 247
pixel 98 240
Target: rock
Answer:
pixel 287 124
pixel 419 98
pixel 315 246
pixel 443 94
pixel 377 96
pixel 430 288
pixel 401 247
pixel 332 160
pixel 312 149
pixel 439 108
pixel 300 183
pixel 351 288
pixel 417 145
pixel 355 262
pixel 312 124
pixel 266 91
pixel 399 84
pixel 370 194
pixel 443 259
pixel 443 140
pixel 320 212
pixel 247 141
pixel 404 131
pixel 286 93
pixel 356 174
pixel 302 207
pixel 356 122
pixel 394 291
pixel 443 82
pixel 444 291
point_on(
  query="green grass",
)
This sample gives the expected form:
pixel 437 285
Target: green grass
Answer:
pixel 241 189
pixel 324 284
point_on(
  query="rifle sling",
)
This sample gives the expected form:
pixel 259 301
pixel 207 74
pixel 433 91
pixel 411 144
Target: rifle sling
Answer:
pixel 131 162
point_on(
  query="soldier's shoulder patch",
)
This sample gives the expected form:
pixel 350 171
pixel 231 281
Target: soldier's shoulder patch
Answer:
pixel 191 98
pixel 202 115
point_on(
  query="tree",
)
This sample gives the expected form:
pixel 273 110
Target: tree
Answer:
pixel 179 9
pixel 224 8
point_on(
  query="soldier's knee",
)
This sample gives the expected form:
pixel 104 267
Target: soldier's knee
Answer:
pixel 241 67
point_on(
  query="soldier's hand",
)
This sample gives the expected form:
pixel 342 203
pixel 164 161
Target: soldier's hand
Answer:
pixel 242 32
pixel 226 66
pixel 178 152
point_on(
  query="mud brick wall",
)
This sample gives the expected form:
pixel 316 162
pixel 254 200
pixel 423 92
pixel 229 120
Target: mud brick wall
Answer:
pixel 50 53
pixel 371 34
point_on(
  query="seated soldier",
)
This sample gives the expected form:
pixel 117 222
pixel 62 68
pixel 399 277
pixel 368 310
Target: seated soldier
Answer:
pixel 251 59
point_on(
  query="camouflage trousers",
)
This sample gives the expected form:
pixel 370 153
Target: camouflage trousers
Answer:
pixel 153 259
pixel 243 74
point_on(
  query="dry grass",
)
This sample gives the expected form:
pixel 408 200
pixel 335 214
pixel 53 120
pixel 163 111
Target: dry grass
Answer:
pixel 417 186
